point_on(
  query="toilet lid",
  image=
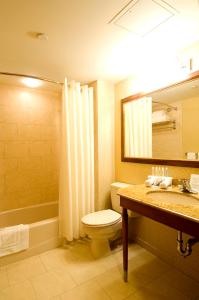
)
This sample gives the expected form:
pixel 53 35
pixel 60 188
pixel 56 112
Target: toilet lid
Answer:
pixel 101 218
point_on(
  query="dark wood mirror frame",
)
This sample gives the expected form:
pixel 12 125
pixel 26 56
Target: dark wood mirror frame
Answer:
pixel 155 161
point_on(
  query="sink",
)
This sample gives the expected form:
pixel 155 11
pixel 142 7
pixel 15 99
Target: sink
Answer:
pixel 171 197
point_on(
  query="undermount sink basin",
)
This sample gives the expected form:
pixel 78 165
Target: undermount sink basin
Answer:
pixel 170 197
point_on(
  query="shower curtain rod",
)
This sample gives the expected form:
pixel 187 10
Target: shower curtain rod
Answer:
pixel 31 76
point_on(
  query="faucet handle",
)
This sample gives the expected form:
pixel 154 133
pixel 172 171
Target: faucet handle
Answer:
pixel 186 187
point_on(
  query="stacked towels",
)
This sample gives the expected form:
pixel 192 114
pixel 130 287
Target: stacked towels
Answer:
pixel 14 239
pixel 160 116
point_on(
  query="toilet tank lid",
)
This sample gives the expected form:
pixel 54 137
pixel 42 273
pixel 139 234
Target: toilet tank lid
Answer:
pixel 101 218
pixel 119 185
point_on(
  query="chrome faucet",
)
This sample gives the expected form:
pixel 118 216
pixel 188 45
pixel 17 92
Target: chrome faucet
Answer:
pixel 185 186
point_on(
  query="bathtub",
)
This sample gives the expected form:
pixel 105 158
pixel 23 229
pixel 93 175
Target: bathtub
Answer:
pixel 43 221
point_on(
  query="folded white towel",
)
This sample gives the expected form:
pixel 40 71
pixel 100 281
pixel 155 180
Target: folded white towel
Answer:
pixel 14 239
pixel 166 182
pixel 160 116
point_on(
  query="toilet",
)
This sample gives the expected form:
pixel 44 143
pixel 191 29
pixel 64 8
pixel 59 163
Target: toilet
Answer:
pixel 104 225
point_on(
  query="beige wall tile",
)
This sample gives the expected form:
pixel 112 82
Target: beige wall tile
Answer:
pixel 2 183
pixel 29 134
pixel 40 116
pixel 2 149
pixel 10 201
pixel 50 162
pixel 14 115
pixel 40 148
pixel 8 132
pixel 32 197
pixel 48 132
pixel 30 164
pixel 16 149
pixel 51 192
pixel 7 166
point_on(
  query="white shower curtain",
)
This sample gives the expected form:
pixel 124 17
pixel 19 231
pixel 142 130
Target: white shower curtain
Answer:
pixel 76 195
pixel 138 128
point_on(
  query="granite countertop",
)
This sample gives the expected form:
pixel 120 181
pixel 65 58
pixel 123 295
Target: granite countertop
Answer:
pixel 143 194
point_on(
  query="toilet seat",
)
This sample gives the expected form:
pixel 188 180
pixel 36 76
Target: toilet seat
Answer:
pixel 101 218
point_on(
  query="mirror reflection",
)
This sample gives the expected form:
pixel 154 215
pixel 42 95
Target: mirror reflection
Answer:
pixel 163 124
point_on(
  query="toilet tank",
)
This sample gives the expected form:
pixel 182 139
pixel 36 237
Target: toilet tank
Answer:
pixel 115 199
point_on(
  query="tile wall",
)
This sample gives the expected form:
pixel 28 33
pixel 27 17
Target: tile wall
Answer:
pixel 29 145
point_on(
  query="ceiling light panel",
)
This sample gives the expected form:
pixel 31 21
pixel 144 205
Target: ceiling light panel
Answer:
pixel 143 16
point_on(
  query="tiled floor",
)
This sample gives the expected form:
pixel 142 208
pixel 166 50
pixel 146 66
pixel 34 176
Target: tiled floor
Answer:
pixel 73 274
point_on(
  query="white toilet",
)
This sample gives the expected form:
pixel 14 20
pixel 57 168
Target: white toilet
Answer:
pixel 102 226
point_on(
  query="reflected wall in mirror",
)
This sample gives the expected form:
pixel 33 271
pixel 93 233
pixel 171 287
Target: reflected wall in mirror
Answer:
pixel 163 126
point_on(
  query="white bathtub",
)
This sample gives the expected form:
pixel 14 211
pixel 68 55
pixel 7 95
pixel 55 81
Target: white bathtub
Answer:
pixel 43 220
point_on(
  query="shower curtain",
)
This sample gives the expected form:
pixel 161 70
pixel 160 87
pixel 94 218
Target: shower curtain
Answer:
pixel 76 195
pixel 138 128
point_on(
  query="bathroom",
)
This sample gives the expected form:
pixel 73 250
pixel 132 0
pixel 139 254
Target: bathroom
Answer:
pixel 30 144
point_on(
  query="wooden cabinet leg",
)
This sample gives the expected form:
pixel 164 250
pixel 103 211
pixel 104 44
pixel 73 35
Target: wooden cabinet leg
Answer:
pixel 125 243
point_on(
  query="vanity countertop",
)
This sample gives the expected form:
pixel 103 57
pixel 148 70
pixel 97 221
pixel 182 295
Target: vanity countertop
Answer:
pixel 142 194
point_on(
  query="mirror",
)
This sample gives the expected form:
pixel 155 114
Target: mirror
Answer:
pixel 162 127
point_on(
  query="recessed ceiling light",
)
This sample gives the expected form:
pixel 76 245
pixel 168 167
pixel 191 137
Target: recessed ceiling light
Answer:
pixel 32 82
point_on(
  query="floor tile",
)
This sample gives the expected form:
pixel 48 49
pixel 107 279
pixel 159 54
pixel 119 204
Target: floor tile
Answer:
pixel 144 268
pixel 56 258
pixel 21 291
pixel 84 266
pixel 63 276
pixel 134 250
pixel 84 271
pixel 153 267
pixel 3 279
pixel 72 273
pixel 107 261
pixel 158 290
pixel 183 283
pixel 79 250
pixel 52 283
pixel 87 291
pixel 25 269
pixel 113 284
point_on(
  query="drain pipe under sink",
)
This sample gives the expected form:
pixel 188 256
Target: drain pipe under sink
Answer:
pixel 187 250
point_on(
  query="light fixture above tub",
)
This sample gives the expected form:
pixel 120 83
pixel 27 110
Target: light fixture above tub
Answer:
pixel 31 82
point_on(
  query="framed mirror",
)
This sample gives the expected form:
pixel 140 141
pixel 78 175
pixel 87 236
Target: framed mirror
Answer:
pixel 162 127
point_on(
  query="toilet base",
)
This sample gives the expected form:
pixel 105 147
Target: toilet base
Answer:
pixel 100 247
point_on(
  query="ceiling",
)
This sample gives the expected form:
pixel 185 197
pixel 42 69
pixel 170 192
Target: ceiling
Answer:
pixel 83 43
